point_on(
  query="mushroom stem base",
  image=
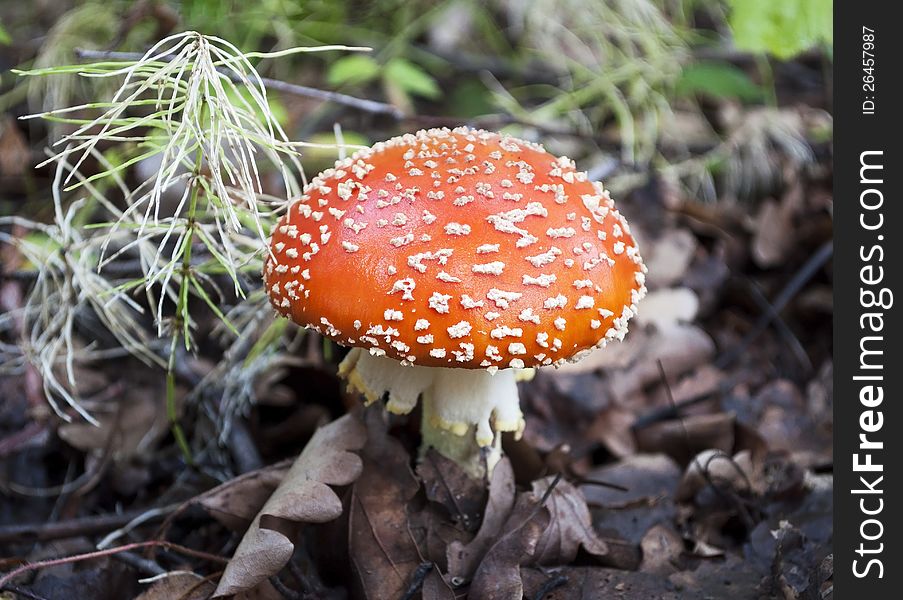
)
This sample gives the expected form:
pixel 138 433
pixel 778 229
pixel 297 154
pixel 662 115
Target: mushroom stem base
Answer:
pixel 464 410
pixel 476 460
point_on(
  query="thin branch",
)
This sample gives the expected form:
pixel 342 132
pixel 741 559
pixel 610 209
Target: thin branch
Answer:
pixel 782 328
pixel 21 592
pixel 103 553
pixel 371 106
pixel 800 279
pixel 417 578
pixel 92 525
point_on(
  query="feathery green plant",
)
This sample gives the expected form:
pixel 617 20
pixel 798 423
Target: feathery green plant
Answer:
pixel 194 108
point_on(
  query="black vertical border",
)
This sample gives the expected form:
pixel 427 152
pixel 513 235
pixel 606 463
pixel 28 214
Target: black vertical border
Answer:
pixel 855 133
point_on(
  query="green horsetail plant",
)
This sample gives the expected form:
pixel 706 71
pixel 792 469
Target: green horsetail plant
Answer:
pixel 195 109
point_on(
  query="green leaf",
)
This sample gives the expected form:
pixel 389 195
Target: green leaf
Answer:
pixel 780 27
pixel 411 78
pixel 718 80
pixel 352 70
pixel 470 98
pixel 5 38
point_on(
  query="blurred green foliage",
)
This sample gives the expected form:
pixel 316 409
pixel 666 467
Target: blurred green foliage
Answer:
pixel 780 27
pixel 353 70
pixel 717 80
pixel 584 66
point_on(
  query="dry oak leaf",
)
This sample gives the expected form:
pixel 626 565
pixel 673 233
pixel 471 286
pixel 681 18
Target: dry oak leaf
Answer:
pixel 383 552
pixel 546 526
pixel 236 502
pixel 498 576
pixel 571 525
pixel 304 496
pixel 131 427
pixel 463 559
pixel 179 584
pixel 668 307
pixel 449 485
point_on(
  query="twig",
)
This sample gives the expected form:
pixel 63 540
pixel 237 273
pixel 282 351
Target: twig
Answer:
pixel 143 565
pixel 371 106
pixel 284 590
pixel 783 330
pixel 21 592
pixel 244 451
pixel 801 278
pixel 109 552
pixel 704 469
pixel 140 519
pixel 42 532
pixel 670 411
pixel 546 494
pixel 551 584
pixel 379 542
pixel 605 484
pixel 417 579
pixel 13 442
pixel 465 519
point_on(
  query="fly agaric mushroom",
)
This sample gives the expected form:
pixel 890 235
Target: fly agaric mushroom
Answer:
pixel 448 260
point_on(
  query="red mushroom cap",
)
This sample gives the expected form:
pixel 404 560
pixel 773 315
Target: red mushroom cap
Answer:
pixel 457 248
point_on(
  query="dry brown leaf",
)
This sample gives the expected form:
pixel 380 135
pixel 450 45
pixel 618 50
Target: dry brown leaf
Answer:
pixel 432 531
pixel 646 477
pixel 667 307
pixel 236 502
pixel 181 584
pixel 611 427
pixel 598 583
pixel 448 484
pixel 570 525
pixel 669 257
pixel 662 550
pixel 383 552
pixel 463 559
pixel 775 232
pixel 649 479
pixel 679 348
pixel 682 438
pixel 498 576
pixel 536 533
pixel 304 496
pixel 15 154
pixel 436 588
pixel 717 468
pixel 134 424
pixel 618 356
pixel 701 381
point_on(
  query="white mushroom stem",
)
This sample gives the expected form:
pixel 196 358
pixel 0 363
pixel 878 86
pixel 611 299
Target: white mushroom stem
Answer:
pixel 464 410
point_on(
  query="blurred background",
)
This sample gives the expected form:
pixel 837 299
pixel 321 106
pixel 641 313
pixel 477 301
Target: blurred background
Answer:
pixel 711 124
